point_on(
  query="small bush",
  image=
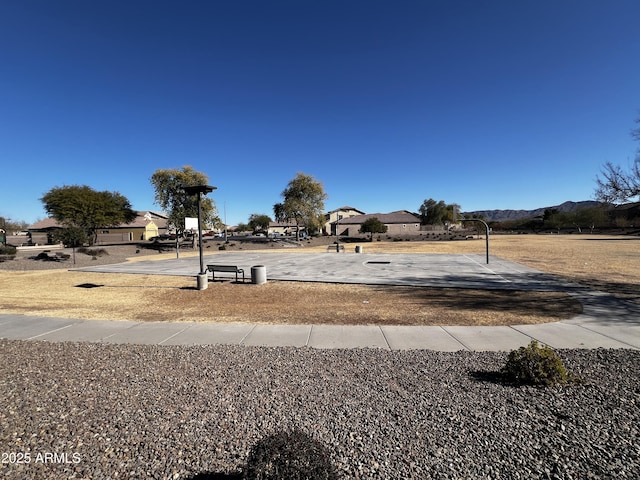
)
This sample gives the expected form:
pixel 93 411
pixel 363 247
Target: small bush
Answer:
pixel 93 252
pixel 222 247
pixel 7 250
pixel 534 365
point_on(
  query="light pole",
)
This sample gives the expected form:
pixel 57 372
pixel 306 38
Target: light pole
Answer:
pixel 338 218
pixel 199 190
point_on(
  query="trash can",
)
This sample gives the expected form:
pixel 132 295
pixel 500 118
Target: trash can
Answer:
pixel 258 274
pixel 202 281
pixel 359 249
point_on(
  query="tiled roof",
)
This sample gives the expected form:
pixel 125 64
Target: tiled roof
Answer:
pixel 44 224
pixel 401 216
pixel 346 208
pixel 139 222
pixel 282 224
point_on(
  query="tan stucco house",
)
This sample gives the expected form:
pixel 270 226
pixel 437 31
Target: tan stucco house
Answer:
pixel 145 226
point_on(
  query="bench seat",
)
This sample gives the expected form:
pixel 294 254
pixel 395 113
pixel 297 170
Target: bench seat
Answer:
pixel 225 268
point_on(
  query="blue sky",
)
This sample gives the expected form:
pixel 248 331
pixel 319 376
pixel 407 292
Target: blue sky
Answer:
pixel 488 104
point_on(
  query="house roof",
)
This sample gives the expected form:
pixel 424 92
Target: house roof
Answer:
pixel 140 221
pixel 400 216
pixel 144 218
pixel 44 224
pixel 282 224
pixel 346 208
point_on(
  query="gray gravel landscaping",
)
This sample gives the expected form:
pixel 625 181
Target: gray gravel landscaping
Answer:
pixel 96 411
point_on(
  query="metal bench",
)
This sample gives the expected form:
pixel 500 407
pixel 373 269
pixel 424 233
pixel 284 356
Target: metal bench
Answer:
pixel 225 268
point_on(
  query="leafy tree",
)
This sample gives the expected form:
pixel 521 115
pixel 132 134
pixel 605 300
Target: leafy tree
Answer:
pixel 303 203
pixel 373 225
pixel 591 217
pixel 87 209
pixel 434 213
pixel 617 185
pixel 557 220
pixel 453 212
pixel 71 236
pixel 169 184
pixel 259 222
pixel 242 227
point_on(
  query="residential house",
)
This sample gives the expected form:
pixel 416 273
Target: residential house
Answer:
pixel 401 222
pixel 334 219
pixel 144 227
pixel 287 227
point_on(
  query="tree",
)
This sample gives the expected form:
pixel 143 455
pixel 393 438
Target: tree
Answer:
pixel 373 225
pixel 618 186
pixel 303 203
pixel 591 217
pixel 433 213
pixel 169 184
pixel 259 222
pixel 87 209
pixel 242 227
pixel 71 237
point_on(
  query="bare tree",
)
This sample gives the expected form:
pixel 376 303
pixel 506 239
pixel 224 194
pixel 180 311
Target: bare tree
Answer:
pixel 616 184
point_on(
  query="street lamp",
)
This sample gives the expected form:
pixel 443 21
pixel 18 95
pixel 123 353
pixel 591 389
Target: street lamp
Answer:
pixel 199 190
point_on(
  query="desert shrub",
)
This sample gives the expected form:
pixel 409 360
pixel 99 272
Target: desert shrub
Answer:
pixel 93 252
pixel 222 247
pixel 534 365
pixel 289 456
pixel 7 250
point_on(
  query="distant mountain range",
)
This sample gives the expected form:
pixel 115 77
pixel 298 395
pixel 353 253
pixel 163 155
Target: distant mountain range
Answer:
pixel 504 215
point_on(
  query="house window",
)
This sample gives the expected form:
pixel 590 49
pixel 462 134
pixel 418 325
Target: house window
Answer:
pixel 105 231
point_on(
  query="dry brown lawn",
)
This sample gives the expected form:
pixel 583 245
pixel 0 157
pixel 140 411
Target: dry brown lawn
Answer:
pixel 607 263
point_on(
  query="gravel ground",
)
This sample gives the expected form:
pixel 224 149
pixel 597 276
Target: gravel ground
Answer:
pixel 101 411
pixel 25 260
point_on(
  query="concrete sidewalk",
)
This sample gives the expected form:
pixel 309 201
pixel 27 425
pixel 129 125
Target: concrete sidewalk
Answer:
pixel 445 339
pixel 606 322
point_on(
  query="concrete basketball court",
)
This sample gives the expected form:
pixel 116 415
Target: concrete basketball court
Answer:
pixel 606 322
pixel 435 270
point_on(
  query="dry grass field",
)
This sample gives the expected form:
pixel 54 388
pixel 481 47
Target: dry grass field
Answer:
pixel 606 263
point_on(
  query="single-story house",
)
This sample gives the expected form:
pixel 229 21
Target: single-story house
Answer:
pixel 401 222
pixel 283 228
pixel 145 226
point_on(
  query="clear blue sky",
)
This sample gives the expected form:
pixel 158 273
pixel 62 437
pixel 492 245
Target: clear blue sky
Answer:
pixel 488 104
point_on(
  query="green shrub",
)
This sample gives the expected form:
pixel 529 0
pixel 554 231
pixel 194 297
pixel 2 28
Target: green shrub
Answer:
pixel 534 365
pixel 7 250
pixel 222 247
pixel 93 252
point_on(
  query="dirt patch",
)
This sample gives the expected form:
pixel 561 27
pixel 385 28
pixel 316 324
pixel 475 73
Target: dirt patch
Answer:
pixel 165 298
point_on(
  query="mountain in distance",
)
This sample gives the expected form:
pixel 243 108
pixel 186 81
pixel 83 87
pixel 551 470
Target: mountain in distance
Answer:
pixel 504 215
